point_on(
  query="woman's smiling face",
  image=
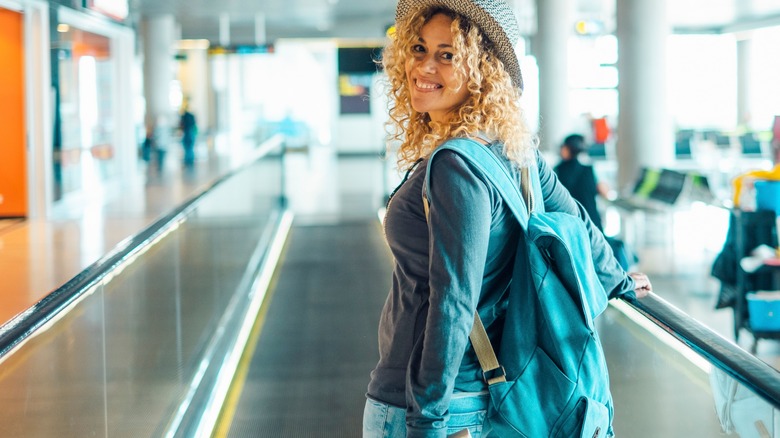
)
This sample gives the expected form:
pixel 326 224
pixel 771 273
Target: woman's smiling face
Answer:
pixel 434 86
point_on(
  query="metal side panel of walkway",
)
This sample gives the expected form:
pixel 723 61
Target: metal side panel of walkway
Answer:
pixel 318 344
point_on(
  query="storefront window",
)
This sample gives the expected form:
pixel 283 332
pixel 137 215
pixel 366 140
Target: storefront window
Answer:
pixel 84 153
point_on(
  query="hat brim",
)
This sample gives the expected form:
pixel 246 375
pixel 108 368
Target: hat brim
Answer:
pixel 503 34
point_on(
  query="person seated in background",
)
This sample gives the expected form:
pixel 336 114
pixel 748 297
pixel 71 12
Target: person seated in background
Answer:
pixel 579 178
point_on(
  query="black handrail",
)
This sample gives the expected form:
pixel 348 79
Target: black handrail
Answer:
pixel 744 367
pixel 23 325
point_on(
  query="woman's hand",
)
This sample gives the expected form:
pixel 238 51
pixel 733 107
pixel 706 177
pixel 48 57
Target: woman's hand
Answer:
pixel 643 286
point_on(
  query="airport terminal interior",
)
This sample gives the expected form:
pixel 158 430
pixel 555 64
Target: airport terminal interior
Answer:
pixel 227 280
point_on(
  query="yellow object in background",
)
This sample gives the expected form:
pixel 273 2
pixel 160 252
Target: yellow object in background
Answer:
pixel 766 175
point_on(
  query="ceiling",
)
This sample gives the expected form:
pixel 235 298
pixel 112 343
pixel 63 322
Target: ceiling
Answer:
pixel 251 20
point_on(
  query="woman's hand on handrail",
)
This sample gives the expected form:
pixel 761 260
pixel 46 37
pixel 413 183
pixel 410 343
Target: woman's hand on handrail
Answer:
pixel 642 284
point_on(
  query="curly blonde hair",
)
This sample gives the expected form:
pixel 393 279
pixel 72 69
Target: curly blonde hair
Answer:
pixel 492 106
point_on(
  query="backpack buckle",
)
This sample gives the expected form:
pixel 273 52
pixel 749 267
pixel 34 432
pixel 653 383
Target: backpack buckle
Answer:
pixel 496 375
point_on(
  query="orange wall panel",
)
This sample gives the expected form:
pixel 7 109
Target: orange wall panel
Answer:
pixel 13 167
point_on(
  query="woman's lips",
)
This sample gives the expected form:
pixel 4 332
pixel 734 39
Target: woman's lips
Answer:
pixel 426 85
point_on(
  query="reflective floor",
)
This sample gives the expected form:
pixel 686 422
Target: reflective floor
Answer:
pixel 38 256
pixel 335 200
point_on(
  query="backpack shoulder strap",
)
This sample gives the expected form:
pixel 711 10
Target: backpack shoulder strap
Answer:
pixel 489 165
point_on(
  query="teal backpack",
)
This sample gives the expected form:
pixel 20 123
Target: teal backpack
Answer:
pixel 550 377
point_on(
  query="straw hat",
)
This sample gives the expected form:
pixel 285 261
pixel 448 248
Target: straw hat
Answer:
pixel 494 17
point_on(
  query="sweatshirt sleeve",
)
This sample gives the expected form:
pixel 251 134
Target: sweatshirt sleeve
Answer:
pixel 459 223
pixel 557 198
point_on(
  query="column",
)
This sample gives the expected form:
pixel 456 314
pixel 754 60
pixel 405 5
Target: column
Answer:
pixel 645 137
pixel 744 91
pixel 39 110
pixel 555 24
pixel 158 39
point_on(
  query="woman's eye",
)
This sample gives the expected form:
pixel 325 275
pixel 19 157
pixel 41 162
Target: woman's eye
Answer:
pixel 418 48
pixel 447 56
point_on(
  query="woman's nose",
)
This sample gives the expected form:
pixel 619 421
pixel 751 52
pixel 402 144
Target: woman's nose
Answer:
pixel 427 64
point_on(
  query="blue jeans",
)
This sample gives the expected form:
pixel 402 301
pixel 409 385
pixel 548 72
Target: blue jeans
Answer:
pixel 467 411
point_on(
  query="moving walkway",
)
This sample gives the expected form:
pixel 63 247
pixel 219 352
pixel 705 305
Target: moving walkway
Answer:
pixel 228 317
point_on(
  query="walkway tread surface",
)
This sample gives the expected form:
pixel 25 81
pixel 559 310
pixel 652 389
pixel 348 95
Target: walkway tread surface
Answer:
pixel 310 368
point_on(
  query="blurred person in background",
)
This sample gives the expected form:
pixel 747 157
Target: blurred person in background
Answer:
pixel 579 178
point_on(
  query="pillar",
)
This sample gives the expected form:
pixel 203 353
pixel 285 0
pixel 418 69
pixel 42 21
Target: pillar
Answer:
pixel 555 24
pixel 744 91
pixel 159 33
pixel 645 137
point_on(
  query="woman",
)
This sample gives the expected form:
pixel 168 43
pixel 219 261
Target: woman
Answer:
pixel 453 72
